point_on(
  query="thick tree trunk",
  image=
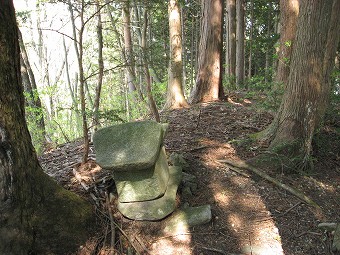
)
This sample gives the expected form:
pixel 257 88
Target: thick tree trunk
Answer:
pixel 306 96
pixel 36 215
pixel 240 43
pixel 175 96
pixel 209 80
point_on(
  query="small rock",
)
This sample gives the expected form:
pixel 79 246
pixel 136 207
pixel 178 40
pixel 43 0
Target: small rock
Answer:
pixel 178 160
pixel 188 177
pixel 186 192
pixel 328 226
pixel 336 239
pixel 184 218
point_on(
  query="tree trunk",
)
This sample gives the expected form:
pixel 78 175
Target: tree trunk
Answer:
pixel 152 103
pixel 175 96
pixel 306 96
pixel 36 215
pixel 232 39
pixel 289 11
pixel 209 80
pixel 250 58
pixel 240 43
pixel 82 85
pixel 31 89
pixel 130 63
pixel 100 66
pixel 268 54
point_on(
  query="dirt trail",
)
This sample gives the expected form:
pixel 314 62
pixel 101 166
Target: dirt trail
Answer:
pixel 250 215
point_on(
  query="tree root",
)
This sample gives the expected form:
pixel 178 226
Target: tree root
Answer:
pixel 243 165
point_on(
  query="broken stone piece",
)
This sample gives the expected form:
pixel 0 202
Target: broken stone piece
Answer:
pixel 336 239
pixel 184 218
pixel 328 226
pixel 158 208
pixel 143 185
pixel 133 145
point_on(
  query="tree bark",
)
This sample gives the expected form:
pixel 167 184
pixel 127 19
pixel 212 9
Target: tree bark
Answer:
pixel 209 80
pixel 36 215
pixel 31 89
pixel 306 95
pixel 231 5
pixel 175 95
pixel 152 103
pixel 250 58
pixel 289 11
pixel 130 63
pixel 100 66
pixel 240 43
pixel 82 85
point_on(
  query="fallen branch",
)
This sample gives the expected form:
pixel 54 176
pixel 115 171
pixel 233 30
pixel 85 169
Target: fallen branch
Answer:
pixel 84 185
pixel 237 170
pixel 80 180
pixel 112 225
pixel 243 165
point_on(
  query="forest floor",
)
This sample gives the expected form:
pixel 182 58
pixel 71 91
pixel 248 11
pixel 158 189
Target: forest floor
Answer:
pixel 249 214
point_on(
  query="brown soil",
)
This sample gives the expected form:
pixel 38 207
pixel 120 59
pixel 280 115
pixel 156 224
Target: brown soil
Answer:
pixel 250 215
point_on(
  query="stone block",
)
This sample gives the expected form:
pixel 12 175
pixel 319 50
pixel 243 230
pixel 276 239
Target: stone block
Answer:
pixel 156 209
pixel 143 185
pixel 129 146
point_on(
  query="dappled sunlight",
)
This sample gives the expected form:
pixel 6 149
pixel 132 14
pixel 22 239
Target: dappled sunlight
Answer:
pixel 235 222
pixel 222 198
pixel 321 185
pixel 172 245
pixel 294 6
pixel 247 217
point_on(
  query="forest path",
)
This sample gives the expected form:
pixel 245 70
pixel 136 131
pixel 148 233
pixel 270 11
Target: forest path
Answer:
pixel 250 215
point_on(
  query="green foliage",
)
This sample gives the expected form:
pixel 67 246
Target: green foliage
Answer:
pixel 267 94
pixel 33 116
pixel 159 93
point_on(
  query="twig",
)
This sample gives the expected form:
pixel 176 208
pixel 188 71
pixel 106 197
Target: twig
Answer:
pixel 184 234
pixel 235 170
pixel 112 225
pixel 80 179
pixel 308 232
pixel 198 119
pixel 290 209
pixel 243 165
pixel 84 185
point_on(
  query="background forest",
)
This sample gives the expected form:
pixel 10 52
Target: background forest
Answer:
pixel 97 52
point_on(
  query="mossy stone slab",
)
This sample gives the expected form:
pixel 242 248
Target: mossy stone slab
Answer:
pixel 142 185
pixel 155 209
pixel 129 146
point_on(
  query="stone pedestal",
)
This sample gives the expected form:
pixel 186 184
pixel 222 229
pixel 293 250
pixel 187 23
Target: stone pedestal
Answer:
pixel 134 152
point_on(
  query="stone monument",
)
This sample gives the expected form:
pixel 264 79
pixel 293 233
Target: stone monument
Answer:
pixel 134 151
